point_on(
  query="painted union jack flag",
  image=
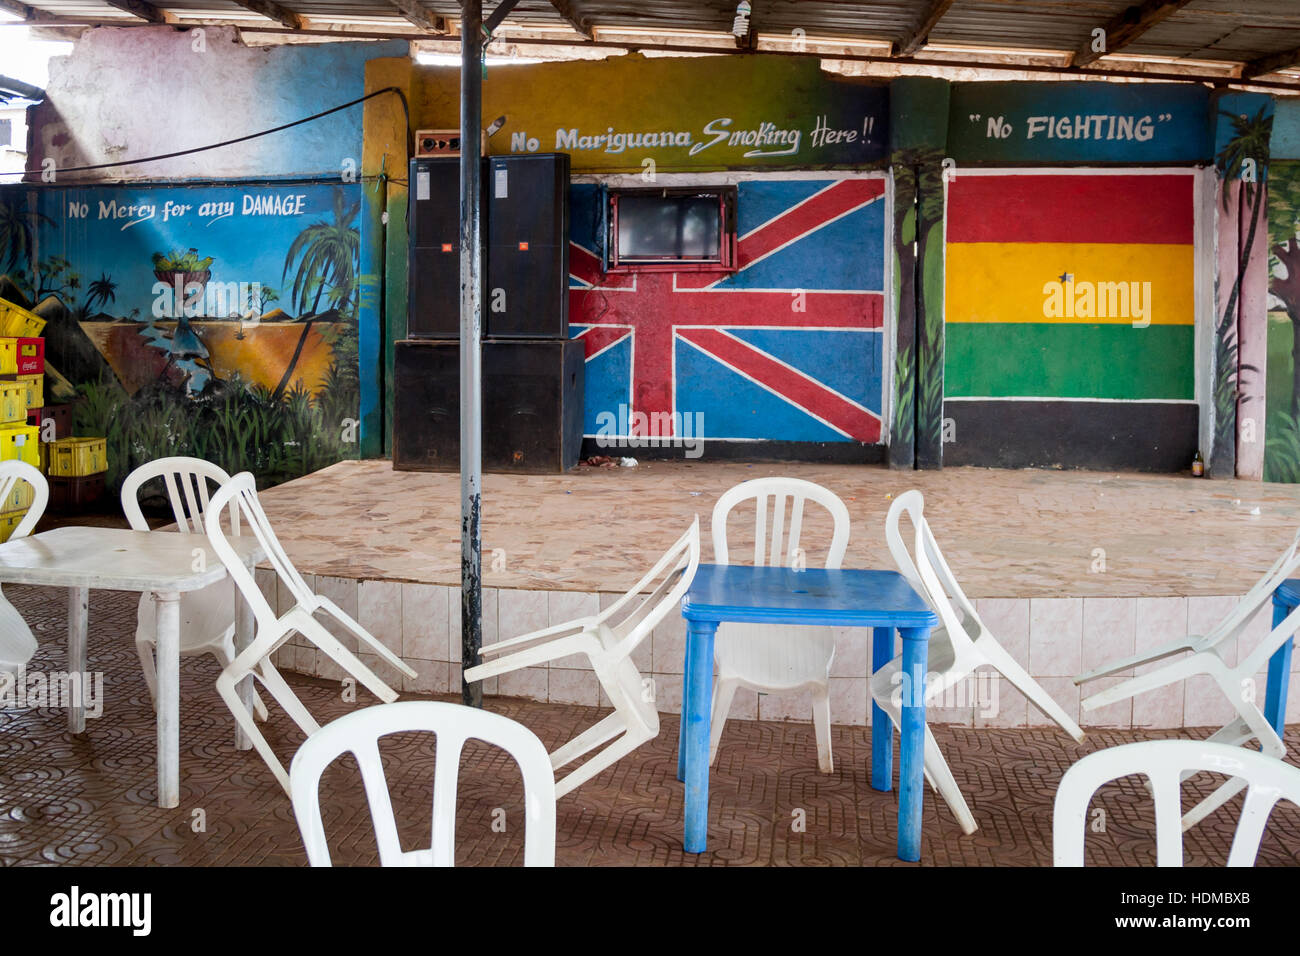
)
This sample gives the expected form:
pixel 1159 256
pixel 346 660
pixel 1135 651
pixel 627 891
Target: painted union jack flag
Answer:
pixel 788 347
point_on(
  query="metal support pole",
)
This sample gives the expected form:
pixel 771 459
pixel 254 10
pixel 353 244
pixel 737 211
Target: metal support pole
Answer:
pixel 471 372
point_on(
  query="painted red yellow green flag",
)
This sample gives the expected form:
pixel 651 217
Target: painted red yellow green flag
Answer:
pixel 1070 286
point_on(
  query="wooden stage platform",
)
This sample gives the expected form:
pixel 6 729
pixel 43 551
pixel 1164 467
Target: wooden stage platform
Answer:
pixel 1070 569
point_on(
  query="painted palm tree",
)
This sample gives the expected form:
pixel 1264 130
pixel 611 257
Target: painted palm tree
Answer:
pixel 1247 150
pixel 326 256
pixel 101 292
pixel 17 232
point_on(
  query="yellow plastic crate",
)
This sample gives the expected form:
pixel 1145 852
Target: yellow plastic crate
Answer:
pixel 77 457
pixel 13 402
pixel 20 497
pixel 9 521
pixel 15 320
pixel 33 389
pixel 20 443
pixel 42 456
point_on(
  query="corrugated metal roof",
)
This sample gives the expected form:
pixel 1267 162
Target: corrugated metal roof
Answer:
pixel 1230 31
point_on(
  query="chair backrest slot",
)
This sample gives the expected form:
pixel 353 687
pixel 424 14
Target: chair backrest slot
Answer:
pixel 1164 763
pixel 783 548
pixel 359 732
pixel 186 483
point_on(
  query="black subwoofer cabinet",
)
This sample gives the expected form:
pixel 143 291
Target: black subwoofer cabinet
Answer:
pixel 532 405
pixel 528 246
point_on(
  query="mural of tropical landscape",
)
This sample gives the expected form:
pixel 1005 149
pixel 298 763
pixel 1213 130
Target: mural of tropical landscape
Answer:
pixel 214 321
pixel 1282 425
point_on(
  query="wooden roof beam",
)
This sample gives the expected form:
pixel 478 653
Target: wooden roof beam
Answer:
pixel 921 35
pixel 421 16
pixel 570 16
pixel 1271 63
pixel 1126 27
pixel 143 9
pixel 30 14
pixel 273 11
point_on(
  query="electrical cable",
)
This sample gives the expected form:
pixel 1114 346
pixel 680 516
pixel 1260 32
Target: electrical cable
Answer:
pixel 406 109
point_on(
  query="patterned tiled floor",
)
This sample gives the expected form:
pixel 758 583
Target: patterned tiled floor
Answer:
pixel 1020 534
pixel 91 800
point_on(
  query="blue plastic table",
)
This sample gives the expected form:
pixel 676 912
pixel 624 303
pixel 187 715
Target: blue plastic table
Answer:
pixel 882 600
pixel 1285 600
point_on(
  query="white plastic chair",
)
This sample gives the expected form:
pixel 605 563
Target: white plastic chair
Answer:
pixel 1206 658
pixel 774 658
pixel 17 643
pixel 958 646
pixel 1166 763
pixel 274 630
pixel 607 640
pixel 207 616
pixel 358 733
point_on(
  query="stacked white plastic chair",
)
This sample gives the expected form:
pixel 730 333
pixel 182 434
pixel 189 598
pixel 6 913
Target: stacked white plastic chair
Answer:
pixel 1207 657
pixel 207 615
pixel 17 643
pixel 958 646
pixel 273 629
pixel 774 658
pixel 358 733
pixel 607 640
pixel 1166 763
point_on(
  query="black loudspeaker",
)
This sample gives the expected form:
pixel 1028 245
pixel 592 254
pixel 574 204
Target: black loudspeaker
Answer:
pixel 528 246
pixel 532 405
pixel 426 405
pixel 434 223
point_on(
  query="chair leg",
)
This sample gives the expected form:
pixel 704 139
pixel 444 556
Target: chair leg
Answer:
pixel 616 751
pixel 145 650
pixel 724 691
pixel 1007 666
pixel 1241 731
pixel 226 657
pixel 226 688
pixel 821 708
pixel 328 643
pixel 941 778
pixel 607 728
pixel 286 698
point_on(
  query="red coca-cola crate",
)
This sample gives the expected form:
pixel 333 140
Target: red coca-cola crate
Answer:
pixel 31 356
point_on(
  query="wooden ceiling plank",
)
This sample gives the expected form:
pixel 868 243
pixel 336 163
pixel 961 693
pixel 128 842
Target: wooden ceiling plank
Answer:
pixel 1126 27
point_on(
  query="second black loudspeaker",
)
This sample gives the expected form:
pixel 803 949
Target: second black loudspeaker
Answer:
pixel 528 246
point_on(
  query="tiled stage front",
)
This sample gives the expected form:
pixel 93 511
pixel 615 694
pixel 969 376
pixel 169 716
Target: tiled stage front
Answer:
pixel 1070 569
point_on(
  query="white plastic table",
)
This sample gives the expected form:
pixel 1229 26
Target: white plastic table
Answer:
pixel 115 559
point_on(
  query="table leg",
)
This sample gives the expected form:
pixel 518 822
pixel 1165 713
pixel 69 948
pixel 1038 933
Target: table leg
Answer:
pixel 681 730
pixel 167 628
pixel 243 637
pixel 1279 674
pixel 911 769
pixel 78 613
pixel 882 728
pixel 696 707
